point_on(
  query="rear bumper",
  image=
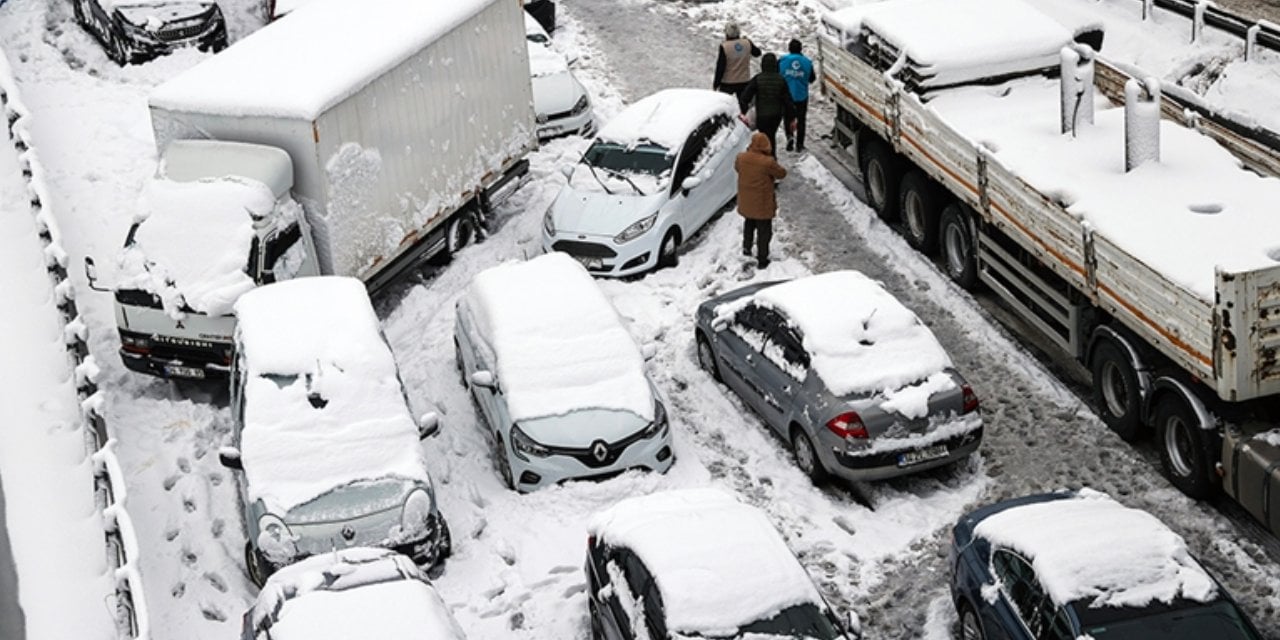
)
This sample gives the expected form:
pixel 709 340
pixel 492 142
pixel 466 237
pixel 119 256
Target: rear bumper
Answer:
pixel 888 463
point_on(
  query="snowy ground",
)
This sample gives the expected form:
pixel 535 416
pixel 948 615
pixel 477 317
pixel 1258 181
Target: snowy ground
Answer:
pixel 516 572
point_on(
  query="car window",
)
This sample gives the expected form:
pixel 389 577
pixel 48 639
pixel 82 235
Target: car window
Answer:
pixel 643 585
pixel 757 318
pixel 283 255
pixel 788 340
pixel 630 581
pixel 692 150
pixel 1019 583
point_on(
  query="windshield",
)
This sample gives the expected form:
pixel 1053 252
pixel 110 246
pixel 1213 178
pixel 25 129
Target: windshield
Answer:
pixel 352 500
pixel 643 158
pixel 1220 621
pixel 801 622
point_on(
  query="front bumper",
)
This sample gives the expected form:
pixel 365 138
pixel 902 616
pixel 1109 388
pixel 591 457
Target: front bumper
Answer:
pixel 213 37
pixel 652 454
pixel 564 124
pixel 602 256
pixel 165 362
pixel 889 462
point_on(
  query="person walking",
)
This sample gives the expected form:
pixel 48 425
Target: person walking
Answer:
pixel 797 70
pixel 757 200
pixel 733 63
pixel 768 90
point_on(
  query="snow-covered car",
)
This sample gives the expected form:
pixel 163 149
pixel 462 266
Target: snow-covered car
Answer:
pixel 350 593
pixel 842 371
pixel 654 175
pixel 1081 565
pixel 696 563
pixel 559 100
pixel 560 383
pixel 139 30
pixel 544 11
pixel 327 451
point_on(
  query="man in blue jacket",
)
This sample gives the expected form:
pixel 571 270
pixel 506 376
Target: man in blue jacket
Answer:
pixel 797 70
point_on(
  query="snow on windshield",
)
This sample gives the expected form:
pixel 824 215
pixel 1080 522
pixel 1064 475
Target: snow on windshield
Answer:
pixel 639 170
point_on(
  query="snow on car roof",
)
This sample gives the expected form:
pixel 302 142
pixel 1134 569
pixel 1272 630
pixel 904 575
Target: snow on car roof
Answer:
pixel 207 272
pixel 560 345
pixel 323 405
pixel 1090 547
pixel 326 51
pixel 961 40
pixel 667 117
pixel 719 564
pixel 860 339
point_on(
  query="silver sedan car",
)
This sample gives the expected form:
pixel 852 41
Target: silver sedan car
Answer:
pixel 838 368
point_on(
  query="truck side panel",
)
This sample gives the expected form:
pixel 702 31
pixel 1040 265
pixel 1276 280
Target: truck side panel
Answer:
pixel 1248 310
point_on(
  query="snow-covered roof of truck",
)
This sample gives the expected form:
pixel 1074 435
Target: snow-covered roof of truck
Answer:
pixel 325 51
pixel 719 564
pixel 1090 547
pixel 953 41
pixel 667 117
pixel 323 405
pixel 190 160
pixel 560 345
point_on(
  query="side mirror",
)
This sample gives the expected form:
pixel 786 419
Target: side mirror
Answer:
pixel 91 274
pixel 719 324
pixel 230 458
pixel 691 182
pixel 854 624
pixel 648 351
pixel 484 380
pixel 567 171
pixel 428 425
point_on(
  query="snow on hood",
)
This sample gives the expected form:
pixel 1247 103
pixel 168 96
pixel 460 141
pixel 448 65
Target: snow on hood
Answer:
pixel 192 244
pixel 560 345
pixel 860 338
pixel 545 61
pixel 667 117
pixel 598 213
pixel 1091 548
pixel 719 564
pixel 323 403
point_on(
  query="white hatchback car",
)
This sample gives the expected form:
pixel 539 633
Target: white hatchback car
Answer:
pixel 654 175
pixel 560 102
pixel 559 381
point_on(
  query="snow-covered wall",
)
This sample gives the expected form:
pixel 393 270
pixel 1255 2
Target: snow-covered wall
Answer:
pixel 69 487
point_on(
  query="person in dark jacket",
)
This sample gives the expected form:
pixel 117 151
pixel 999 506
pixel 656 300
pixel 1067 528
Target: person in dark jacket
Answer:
pixel 797 70
pixel 768 90
pixel 757 201
pixel 733 63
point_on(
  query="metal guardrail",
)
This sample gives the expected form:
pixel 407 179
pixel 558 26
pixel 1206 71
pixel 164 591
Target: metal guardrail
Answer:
pixel 1205 13
pixel 111 496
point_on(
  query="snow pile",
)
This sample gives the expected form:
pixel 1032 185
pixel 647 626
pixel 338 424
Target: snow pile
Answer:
pixel 1091 548
pixel 544 61
pixel 1270 437
pixel 719 564
pixel 666 117
pixel 192 243
pixel 559 345
pixel 859 337
pixel 323 405
pixel 1197 188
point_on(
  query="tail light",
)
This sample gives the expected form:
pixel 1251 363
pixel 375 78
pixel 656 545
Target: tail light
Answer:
pixel 848 425
pixel 591 542
pixel 970 399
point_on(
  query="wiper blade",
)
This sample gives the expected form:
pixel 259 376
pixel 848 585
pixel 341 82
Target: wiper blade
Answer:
pixel 619 174
pixel 597 177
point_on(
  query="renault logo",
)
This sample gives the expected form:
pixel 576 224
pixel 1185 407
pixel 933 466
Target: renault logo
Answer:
pixel 348 533
pixel 599 451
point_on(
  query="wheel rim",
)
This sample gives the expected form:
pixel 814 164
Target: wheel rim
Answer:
pixel 705 357
pixel 957 250
pixel 462 234
pixel 969 629
pixel 1178 444
pixel 804 453
pixel 915 215
pixel 875 183
pixel 1114 393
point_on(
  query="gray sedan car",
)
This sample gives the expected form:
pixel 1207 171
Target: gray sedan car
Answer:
pixel 843 372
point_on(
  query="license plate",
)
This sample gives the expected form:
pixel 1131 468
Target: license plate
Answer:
pixel 176 371
pixel 590 263
pixel 922 455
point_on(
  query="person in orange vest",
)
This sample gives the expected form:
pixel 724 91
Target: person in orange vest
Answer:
pixel 733 64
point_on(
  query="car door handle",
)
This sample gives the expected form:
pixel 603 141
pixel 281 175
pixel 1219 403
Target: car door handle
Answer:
pixel 751 360
pixel 786 389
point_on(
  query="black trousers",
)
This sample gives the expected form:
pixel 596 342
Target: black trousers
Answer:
pixel 762 230
pixel 734 89
pixel 801 115
pixel 769 127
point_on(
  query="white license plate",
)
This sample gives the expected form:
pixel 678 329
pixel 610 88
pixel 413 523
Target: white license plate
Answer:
pixel 922 455
pixel 590 263
pixel 176 371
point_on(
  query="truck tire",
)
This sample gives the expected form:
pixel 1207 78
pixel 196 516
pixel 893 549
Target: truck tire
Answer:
pixel 880 176
pixel 461 232
pixel 1186 450
pixel 920 202
pixel 1115 391
pixel 959 251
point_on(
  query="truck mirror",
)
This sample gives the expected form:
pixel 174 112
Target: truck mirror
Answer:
pixel 484 380
pixel 428 425
pixel 230 458
pixel 91 274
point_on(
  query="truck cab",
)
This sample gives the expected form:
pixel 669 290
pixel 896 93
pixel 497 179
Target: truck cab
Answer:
pixel 217 220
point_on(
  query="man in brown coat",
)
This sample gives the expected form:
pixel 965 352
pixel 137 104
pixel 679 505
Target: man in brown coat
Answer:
pixel 757 171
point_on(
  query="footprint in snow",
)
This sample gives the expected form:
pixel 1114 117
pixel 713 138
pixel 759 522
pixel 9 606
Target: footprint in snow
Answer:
pixel 178 590
pixel 171 534
pixel 211 612
pixel 184 465
pixel 219 525
pixel 171 481
pixel 216 581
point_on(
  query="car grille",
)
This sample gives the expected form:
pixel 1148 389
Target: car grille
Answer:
pixel 585 249
pixel 189 351
pixel 562 114
pixel 613 451
pixel 181 32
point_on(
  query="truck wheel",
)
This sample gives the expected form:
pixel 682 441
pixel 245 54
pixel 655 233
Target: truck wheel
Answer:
pixel 1115 391
pixel 1186 451
pixel 959 255
pixel 920 203
pixel 880 176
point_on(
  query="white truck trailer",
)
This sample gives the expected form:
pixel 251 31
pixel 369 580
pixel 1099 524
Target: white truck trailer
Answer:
pixel 395 125
pixel 1140 247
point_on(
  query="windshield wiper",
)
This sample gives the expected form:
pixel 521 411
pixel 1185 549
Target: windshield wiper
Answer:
pixel 619 174
pixel 597 177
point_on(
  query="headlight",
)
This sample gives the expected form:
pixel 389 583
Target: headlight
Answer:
pixel 637 229
pixel 275 541
pixel 549 223
pixel 415 516
pixel 659 423
pixel 136 342
pixel 526 446
pixel 581 105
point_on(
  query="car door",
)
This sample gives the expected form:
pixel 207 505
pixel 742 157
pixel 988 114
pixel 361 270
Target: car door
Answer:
pixel 781 371
pixel 1028 612
pixel 611 617
pixel 726 141
pixel 692 202
pixel 745 337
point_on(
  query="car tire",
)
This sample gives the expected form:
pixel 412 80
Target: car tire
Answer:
pixel 920 202
pixel 593 612
pixel 255 565
pixel 1115 391
pixel 970 625
pixel 504 464
pixel 959 252
pixel 880 177
pixel 668 251
pixel 457 364
pixel 116 50
pixel 707 357
pixel 1186 450
pixel 444 549
pixel 806 455
pixel 77 10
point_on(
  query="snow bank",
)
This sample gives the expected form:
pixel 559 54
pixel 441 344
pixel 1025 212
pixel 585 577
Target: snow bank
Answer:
pixel 719 564
pixel 559 345
pixel 1092 548
pixel 205 270
pixel 323 403
pixel 666 117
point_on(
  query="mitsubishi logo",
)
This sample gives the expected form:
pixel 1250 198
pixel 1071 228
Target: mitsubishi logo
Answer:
pixel 348 533
pixel 599 451
pixel 178 324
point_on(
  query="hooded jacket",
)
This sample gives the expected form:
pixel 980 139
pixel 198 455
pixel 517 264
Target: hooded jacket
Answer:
pixel 769 91
pixel 756 172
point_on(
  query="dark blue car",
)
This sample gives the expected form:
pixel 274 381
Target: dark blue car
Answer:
pixel 1064 565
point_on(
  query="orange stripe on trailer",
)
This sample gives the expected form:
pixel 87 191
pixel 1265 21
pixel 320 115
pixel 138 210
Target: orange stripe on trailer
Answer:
pixel 942 167
pixel 849 94
pixel 1165 333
